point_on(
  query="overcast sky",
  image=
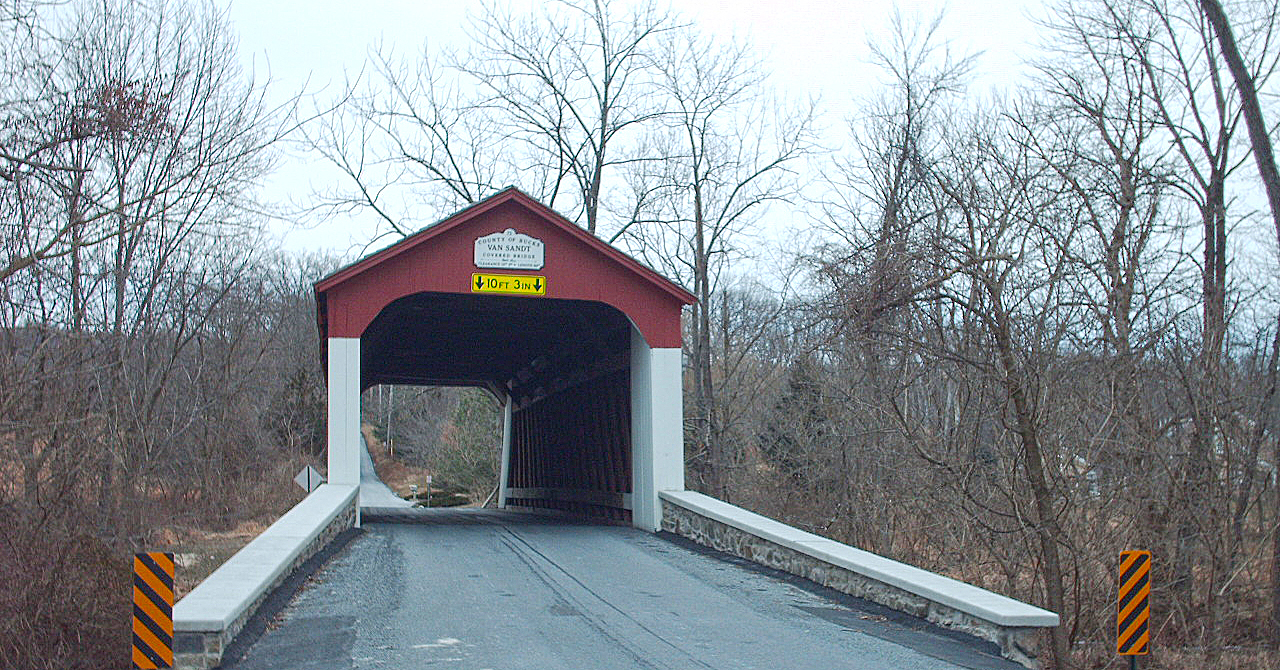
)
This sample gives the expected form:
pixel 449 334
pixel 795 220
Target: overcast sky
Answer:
pixel 813 47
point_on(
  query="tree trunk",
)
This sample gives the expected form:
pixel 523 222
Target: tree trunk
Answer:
pixel 1046 524
pixel 703 389
pixel 1254 121
pixel 1264 416
pixel 1275 559
pixel 1264 157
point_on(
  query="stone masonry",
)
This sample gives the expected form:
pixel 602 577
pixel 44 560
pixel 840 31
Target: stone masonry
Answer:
pixel 1016 643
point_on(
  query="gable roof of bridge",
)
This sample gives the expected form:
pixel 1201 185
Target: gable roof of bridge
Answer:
pixel 439 259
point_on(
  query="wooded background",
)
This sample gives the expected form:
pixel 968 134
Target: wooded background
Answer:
pixel 998 334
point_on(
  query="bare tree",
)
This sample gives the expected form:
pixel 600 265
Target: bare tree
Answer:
pixel 728 152
pixel 569 83
pixel 1246 85
pixel 1247 89
pixel 111 142
pixel 1174 44
pixel 410 143
pixel 132 301
pixel 547 101
pixel 1102 136
pixel 1008 297
pixel 879 200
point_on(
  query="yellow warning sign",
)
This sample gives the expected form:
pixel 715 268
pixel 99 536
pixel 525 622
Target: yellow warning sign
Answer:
pixel 518 284
pixel 153 610
pixel 1132 636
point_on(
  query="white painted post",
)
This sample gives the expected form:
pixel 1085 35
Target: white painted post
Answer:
pixel 344 410
pixel 666 374
pixel 506 454
pixel 657 430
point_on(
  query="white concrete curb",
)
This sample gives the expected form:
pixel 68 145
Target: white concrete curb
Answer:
pixel 967 598
pixel 226 594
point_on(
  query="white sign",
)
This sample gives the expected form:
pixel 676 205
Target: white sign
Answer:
pixel 509 250
pixel 309 479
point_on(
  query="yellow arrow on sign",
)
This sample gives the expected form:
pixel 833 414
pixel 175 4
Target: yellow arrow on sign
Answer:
pixel 518 284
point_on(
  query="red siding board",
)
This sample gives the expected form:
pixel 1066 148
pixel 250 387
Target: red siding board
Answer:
pixel 578 267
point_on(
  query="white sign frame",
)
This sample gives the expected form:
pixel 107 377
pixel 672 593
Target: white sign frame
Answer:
pixel 509 250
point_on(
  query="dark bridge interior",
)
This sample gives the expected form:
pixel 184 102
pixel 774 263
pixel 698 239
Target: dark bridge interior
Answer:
pixel 563 363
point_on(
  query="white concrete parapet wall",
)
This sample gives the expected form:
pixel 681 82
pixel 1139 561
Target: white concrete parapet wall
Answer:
pixel 207 619
pixel 1011 624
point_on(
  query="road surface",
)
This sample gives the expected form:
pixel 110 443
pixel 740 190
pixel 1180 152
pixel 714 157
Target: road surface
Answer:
pixel 373 493
pixel 482 589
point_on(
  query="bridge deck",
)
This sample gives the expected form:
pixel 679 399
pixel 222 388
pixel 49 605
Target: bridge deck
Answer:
pixel 485 589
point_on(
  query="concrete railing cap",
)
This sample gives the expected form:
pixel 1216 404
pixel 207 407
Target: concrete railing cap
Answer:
pixel 967 598
pixel 224 595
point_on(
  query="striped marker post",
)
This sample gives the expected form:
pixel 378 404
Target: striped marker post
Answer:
pixel 1134 610
pixel 152 610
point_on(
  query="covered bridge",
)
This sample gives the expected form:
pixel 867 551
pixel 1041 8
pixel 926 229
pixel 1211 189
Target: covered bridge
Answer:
pixel 579 340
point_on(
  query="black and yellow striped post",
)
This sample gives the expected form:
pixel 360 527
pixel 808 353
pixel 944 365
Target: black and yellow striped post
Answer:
pixel 153 610
pixel 1134 611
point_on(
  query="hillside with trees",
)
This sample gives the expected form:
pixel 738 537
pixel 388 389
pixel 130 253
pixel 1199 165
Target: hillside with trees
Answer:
pixel 1000 334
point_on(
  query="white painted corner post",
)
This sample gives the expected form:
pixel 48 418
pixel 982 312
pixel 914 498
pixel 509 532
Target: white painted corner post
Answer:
pixel 344 411
pixel 657 429
pixel 505 473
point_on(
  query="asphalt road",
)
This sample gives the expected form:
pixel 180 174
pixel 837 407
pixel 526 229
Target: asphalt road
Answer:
pixel 373 493
pixel 482 589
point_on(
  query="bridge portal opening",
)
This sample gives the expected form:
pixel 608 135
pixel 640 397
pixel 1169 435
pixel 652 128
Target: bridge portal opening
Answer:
pixel 580 343
pixel 561 368
pixel 452 434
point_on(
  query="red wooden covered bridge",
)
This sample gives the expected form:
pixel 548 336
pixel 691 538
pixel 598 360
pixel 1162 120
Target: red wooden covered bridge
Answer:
pixel 581 342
